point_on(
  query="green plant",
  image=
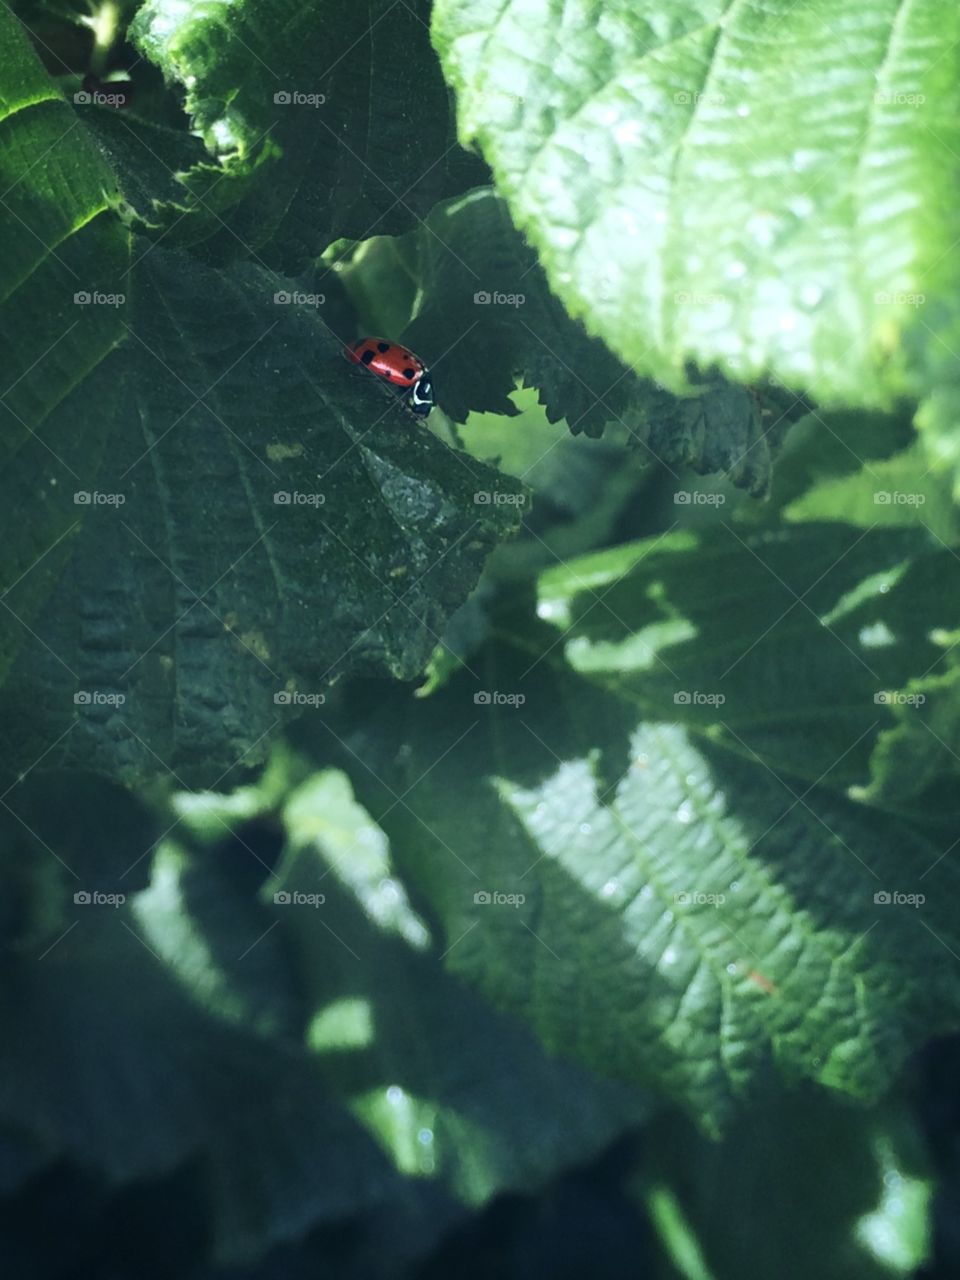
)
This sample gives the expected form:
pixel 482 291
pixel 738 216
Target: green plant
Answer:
pixel 396 815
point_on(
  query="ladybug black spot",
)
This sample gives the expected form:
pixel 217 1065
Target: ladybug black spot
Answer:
pixel 383 346
pixel 409 373
pixel 367 356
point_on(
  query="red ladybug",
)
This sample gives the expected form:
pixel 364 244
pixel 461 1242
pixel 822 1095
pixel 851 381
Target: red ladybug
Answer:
pixel 398 366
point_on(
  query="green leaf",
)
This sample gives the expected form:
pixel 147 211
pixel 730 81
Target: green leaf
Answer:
pixel 670 893
pixel 762 188
pixel 319 124
pixel 826 448
pixel 59 246
pixel 916 760
pixel 263 523
pixel 481 290
pixel 866 1171
pixel 116 1069
pixel 889 492
pixel 272 1021
pixel 451 1090
pixel 701 627
pixel 146 160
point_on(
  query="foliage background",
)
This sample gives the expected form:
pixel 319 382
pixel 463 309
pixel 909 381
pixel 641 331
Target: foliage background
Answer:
pixel 523 844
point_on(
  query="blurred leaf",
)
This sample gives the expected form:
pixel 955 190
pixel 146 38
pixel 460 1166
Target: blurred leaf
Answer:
pixel 702 627
pixel 681 898
pixel 451 1090
pixel 114 1069
pixel 888 492
pixel 916 761
pixel 331 983
pixel 865 1172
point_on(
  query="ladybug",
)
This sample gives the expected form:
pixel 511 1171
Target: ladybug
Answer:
pixel 398 366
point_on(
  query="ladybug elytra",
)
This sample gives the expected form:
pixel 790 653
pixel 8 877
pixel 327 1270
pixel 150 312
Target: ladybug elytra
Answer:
pixel 398 366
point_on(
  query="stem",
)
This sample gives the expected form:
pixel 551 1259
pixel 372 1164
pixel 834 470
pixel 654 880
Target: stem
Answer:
pixel 106 26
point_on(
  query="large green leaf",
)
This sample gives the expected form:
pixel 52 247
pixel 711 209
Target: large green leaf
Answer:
pixel 682 898
pixel 767 186
pixel 701 628
pixel 321 122
pixel 484 318
pixel 265 522
pixel 449 1088
pixel 59 246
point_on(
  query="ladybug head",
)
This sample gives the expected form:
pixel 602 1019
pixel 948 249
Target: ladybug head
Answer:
pixel 421 395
